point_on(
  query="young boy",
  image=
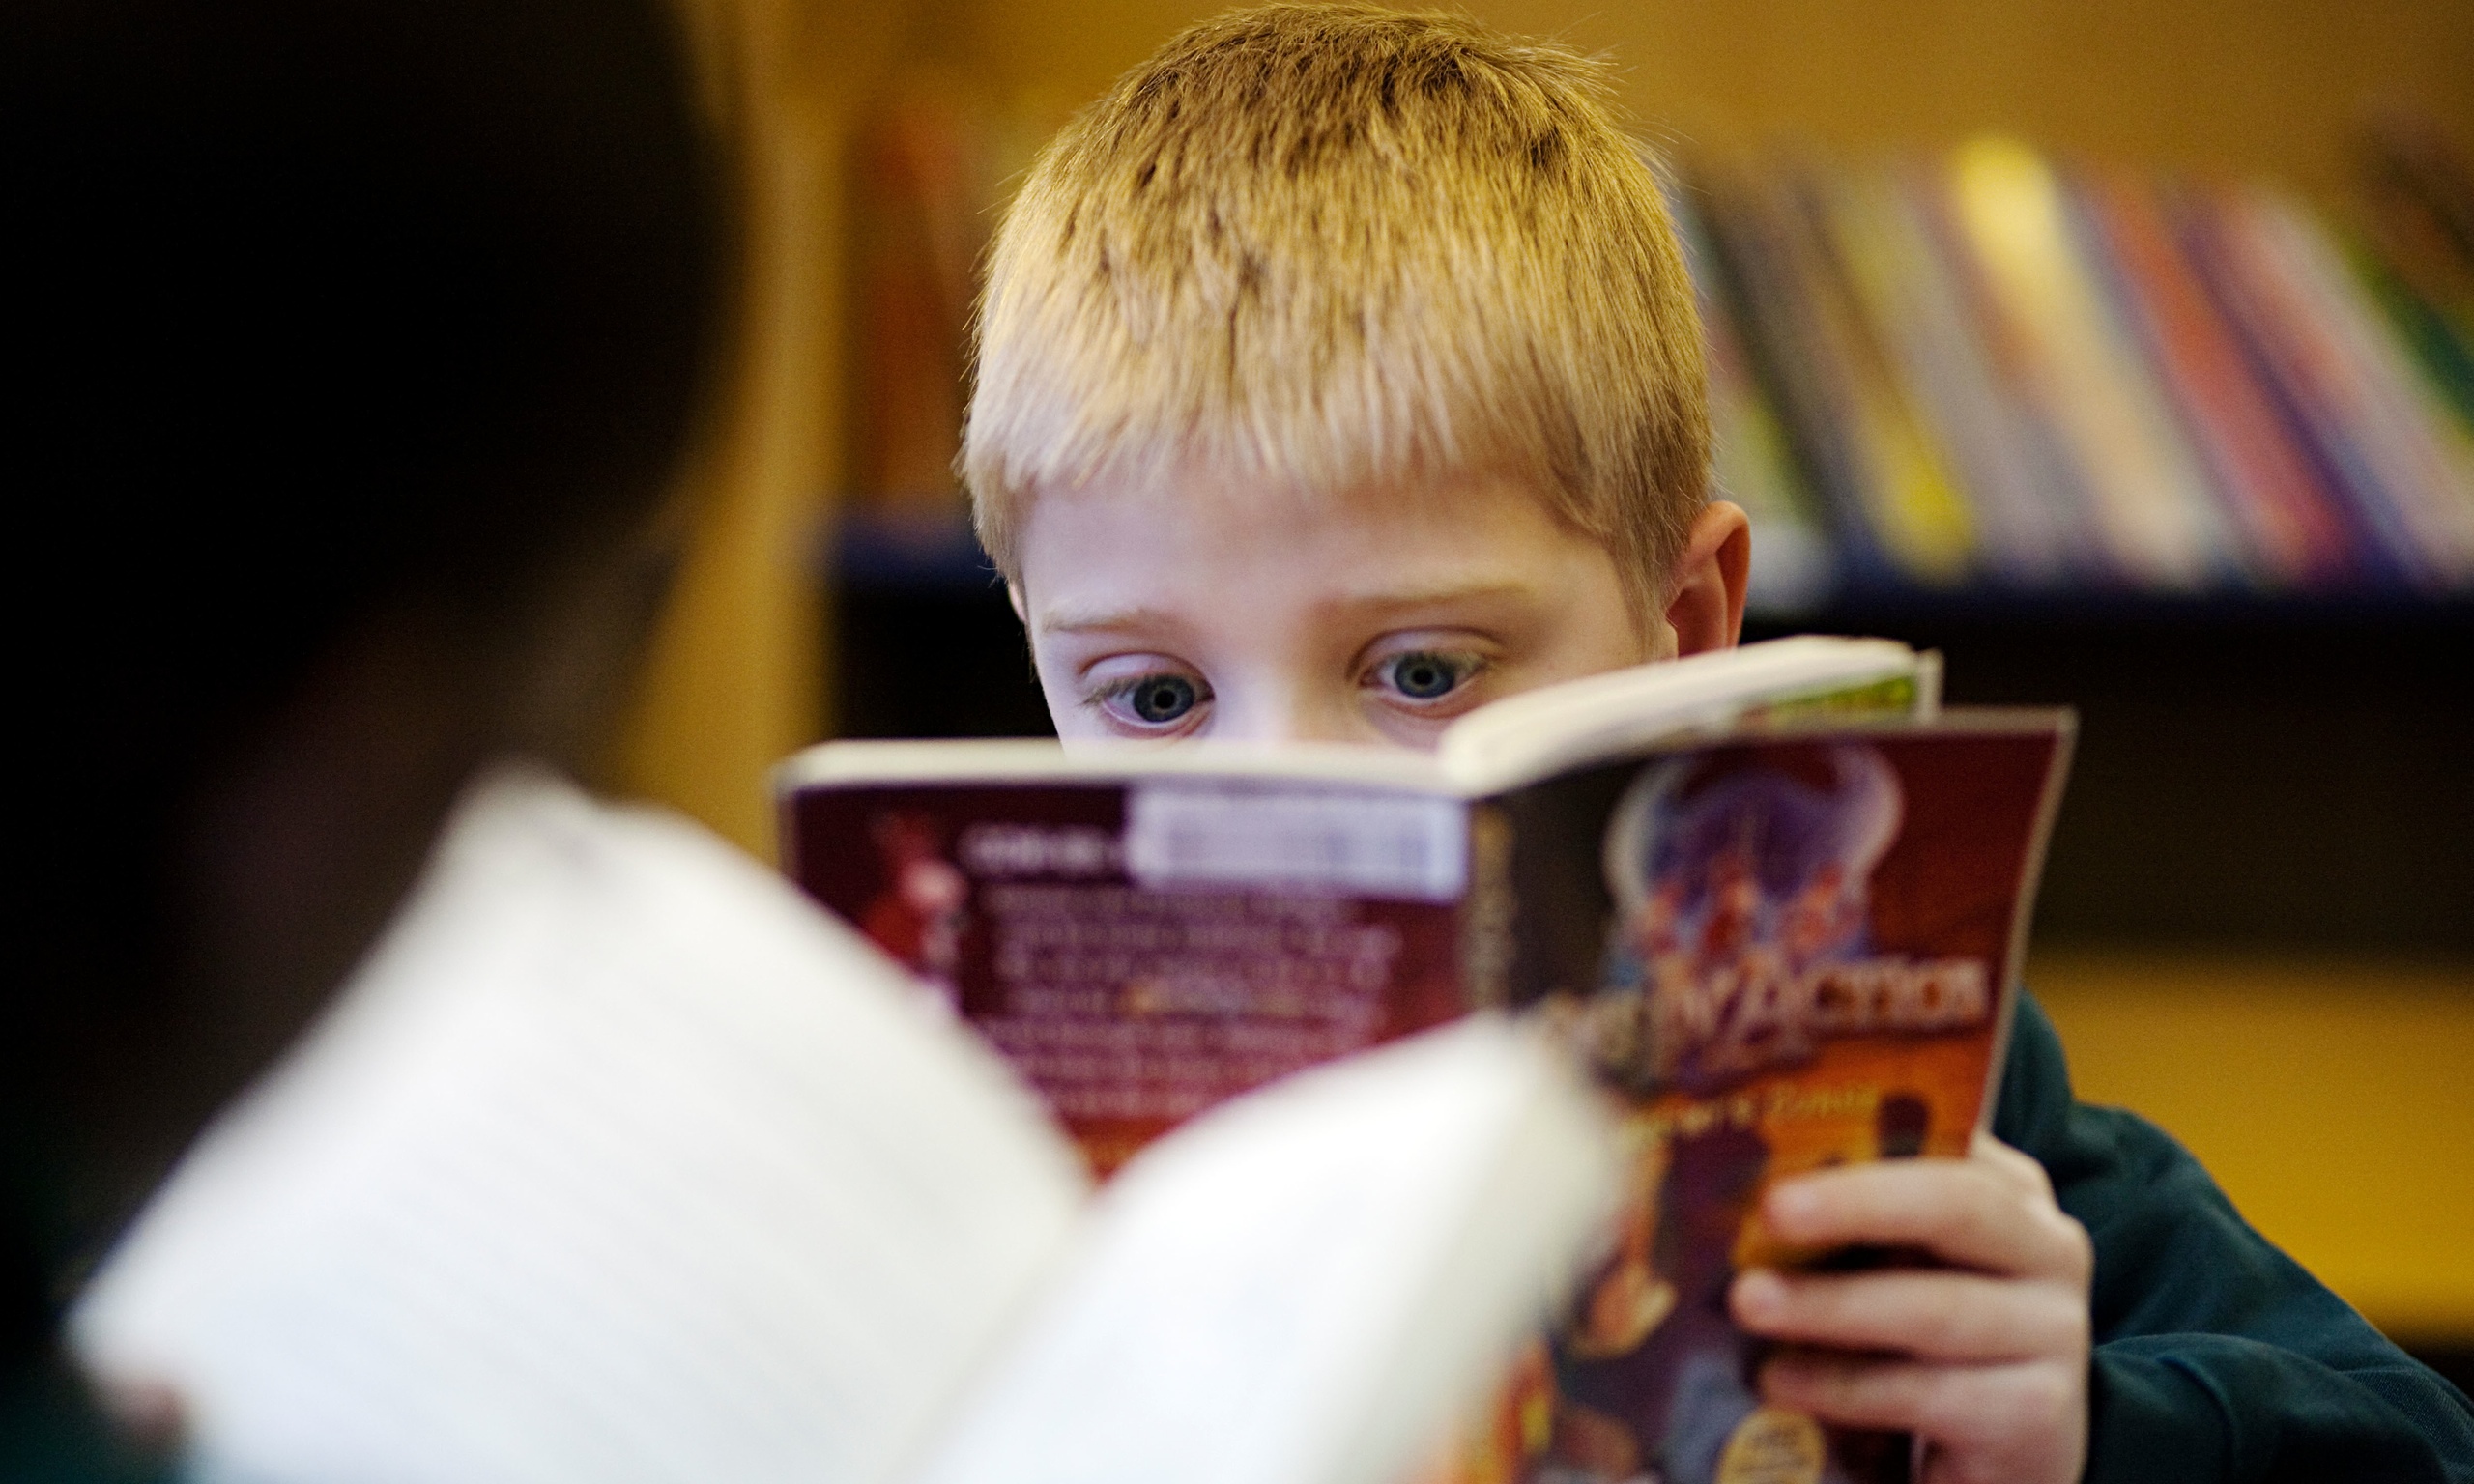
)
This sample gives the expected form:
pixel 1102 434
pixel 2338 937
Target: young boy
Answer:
pixel 1339 373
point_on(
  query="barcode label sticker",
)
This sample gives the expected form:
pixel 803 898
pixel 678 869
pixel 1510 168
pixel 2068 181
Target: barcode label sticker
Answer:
pixel 1362 841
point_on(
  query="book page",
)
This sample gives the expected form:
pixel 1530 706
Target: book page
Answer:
pixel 616 1161
pixel 980 760
pixel 1307 1285
pixel 1529 736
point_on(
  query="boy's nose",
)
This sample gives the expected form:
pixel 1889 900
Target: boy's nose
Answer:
pixel 1286 711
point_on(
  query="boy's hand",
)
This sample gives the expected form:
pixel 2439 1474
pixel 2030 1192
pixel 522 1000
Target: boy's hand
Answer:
pixel 1984 1360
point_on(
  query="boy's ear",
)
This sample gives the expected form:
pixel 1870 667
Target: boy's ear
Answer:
pixel 1705 605
pixel 1021 606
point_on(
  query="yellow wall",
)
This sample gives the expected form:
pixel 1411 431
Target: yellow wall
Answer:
pixel 737 671
pixel 2272 86
pixel 2334 1103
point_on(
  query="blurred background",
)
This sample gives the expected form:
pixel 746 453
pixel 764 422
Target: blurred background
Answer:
pixel 2122 352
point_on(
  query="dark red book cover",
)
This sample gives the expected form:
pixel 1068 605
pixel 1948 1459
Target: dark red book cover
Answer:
pixel 1143 949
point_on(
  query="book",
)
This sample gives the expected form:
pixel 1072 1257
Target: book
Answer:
pixel 2421 196
pixel 916 223
pixel 1769 286
pixel 1792 572
pixel 2408 469
pixel 2159 515
pixel 1924 300
pixel 1775 898
pixel 1894 506
pixel 2295 533
pixel 620 1162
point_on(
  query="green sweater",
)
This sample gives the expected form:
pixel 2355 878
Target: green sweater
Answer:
pixel 2217 1357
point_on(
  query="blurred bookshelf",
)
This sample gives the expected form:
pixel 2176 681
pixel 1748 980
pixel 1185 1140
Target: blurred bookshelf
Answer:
pixel 1992 374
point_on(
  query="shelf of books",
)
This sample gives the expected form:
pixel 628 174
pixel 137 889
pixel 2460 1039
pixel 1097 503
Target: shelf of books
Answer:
pixel 1993 379
pixel 1985 380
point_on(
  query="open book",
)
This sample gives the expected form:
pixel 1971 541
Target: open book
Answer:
pixel 619 1162
pixel 1778 896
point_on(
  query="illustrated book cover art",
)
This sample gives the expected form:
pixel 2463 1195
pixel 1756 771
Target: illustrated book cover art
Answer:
pixel 1779 919
pixel 1786 955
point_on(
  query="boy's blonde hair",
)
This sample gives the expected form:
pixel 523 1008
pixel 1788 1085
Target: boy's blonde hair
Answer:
pixel 1325 244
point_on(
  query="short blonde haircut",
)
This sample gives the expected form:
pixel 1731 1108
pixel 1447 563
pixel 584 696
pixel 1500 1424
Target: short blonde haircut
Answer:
pixel 1327 245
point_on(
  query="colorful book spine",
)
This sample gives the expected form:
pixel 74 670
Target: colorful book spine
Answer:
pixel 2410 483
pixel 1769 306
pixel 2032 526
pixel 1987 372
pixel 2294 530
pixel 1792 567
pixel 1912 495
pixel 919 171
pixel 2159 514
pixel 2444 348
pixel 1893 501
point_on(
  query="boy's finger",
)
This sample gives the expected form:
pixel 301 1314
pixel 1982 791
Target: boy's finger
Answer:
pixel 1960 1211
pixel 2019 1167
pixel 1930 1315
pixel 1980 1411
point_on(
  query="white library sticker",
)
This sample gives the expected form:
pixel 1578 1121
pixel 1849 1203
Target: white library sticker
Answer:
pixel 1377 843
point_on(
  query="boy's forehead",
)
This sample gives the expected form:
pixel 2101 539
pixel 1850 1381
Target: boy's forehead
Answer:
pixel 1237 504
pixel 1090 551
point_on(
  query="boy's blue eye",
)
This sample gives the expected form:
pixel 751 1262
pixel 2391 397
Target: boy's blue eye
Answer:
pixel 1423 676
pixel 1158 699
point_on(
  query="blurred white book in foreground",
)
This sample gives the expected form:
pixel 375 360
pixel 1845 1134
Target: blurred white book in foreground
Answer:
pixel 617 1161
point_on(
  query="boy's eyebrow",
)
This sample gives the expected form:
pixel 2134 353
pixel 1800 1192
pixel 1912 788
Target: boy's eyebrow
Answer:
pixel 1069 619
pixel 1437 596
